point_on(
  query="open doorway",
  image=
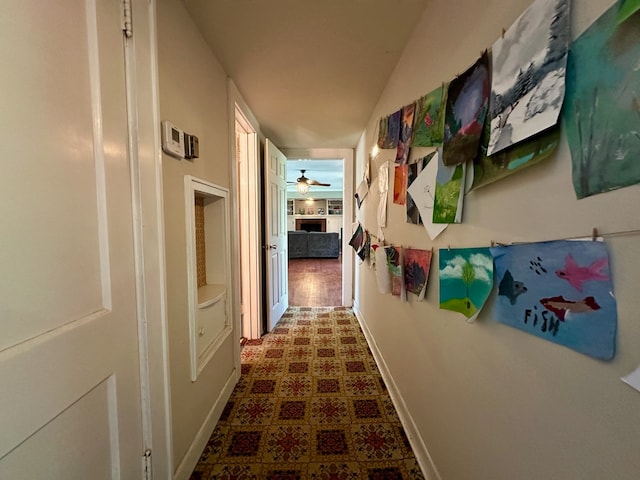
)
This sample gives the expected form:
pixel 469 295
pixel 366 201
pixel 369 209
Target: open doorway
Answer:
pixel 321 275
pixel 315 209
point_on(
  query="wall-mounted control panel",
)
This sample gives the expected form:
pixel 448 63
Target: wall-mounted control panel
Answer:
pixel 191 146
pixel 172 140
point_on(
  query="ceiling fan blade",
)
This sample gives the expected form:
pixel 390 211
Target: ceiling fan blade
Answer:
pixel 319 184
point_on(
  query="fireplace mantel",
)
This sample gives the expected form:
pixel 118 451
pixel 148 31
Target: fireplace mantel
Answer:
pixel 312 224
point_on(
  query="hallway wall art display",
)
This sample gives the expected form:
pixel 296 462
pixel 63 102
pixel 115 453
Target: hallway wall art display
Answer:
pixel 528 71
pixel 560 291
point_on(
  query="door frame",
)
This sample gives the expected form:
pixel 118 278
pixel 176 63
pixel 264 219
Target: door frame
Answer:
pixel 347 156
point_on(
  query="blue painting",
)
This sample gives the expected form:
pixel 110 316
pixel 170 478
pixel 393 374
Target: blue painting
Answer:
pixel 466 279
pixel 560 291
pixel 602 106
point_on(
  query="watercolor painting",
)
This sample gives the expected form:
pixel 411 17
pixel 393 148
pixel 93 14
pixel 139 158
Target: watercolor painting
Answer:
pixel 506 162
pixel 416 270
pixel 415 168
pixel 400 184
pixel 560 291
pixel 357 239
pixel 392 131
pixel 627 8
pixel 428 121
pixel 466 108
pixel 422 192
pixel 383 126
pixel 394 264
pixel 406 132
pixel 466 279
pixel 528 74
pixel 602 107
pixel 449 194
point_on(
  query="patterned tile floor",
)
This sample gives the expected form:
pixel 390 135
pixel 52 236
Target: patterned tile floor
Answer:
pixel 310 404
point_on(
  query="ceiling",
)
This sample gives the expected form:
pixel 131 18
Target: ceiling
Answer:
pixel 311 71
pixel 324 171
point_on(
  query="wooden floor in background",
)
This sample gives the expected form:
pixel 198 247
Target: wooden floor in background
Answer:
pixel 315 282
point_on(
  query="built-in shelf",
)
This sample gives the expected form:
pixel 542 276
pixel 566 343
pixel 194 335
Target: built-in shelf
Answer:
pixel 210 294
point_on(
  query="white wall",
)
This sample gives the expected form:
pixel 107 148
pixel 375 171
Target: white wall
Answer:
pixel 193 95
pixel 487 400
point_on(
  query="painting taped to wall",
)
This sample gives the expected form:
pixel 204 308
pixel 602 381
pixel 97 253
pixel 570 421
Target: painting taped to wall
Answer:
pixel 466 108
pixel 416 270
pixel 560 291
pixel 428 121
pixel 602 108
pixel 400 184
pixel 528 74
pixel 466 279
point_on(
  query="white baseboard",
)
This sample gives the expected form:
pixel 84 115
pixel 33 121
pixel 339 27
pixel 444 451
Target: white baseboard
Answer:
pixel 425 461
pixel 190 460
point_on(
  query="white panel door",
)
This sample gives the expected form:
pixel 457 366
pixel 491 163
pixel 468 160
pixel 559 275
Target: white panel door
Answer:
pixel 276 233
pixel 70 403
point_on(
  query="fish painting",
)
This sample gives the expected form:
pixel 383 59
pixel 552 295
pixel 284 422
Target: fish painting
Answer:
pixel 577 275
pixel 510 288
pixel 560 306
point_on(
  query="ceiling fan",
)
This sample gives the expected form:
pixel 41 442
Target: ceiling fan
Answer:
pixel 303 183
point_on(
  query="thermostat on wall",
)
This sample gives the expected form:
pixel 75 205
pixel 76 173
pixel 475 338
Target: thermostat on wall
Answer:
pixel 172 139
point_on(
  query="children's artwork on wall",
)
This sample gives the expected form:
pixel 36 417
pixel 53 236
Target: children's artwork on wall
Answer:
pixel 361 192
pixel 400 184
pixel 383 188
pixel 528 74
pixel 392 130
pixel 627 8
pixel 560 291
pixel 506 162
pixel 383 279
pixel 602 108
pixel 406 130
pixel 415 168
pixel 466 279
pixel 449 195
pixel 394 263
pixel 416 270
pixel 466 108
pixel 357 239
pixel 365 249
pixel 422 191
pixel 428 121
pixel 383 126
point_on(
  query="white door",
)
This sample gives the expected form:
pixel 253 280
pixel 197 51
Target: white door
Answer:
pixel 70 404
pixel 276 233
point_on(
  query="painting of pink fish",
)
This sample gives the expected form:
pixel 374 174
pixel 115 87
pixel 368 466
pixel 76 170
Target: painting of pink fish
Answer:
pixel 560 291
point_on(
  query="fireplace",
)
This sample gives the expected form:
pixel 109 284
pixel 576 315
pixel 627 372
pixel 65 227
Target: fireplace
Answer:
pixel 311 224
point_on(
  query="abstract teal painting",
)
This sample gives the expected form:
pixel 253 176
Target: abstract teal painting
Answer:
pixel 560 291
pixel 466 279
pixel 602 103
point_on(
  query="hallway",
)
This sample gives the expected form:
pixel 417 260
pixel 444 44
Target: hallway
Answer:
pixel 311 404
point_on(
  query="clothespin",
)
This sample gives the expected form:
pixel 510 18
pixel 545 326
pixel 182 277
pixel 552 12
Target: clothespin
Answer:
pixel 493 243
pixel 594 234
pixel 449 247
pixel 503 32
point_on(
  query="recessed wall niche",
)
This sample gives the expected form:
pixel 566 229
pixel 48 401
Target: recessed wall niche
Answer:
pixel 208 269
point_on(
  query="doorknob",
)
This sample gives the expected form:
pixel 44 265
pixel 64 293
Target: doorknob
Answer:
pixel 270 247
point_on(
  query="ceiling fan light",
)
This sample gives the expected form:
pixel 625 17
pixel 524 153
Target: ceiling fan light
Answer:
pixel 302 187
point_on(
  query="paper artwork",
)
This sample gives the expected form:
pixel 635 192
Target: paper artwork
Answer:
pixel 602 106
pixel 406 130
pixel 394 264
pixel 416 270
pixel 528 74
pixel 383 126
pixel 400 184
pixel 391 126
pixel 428 121
pixel 415 168
pixel 627 8
pixel 422 191
pixel 383 279
pixel 633 379
pixel 560 291
pixel 466 108
pixel 357 239
pixel 506 162
pixel 361 192
pixel 383 188
pixel 449 194
pixel 466 279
